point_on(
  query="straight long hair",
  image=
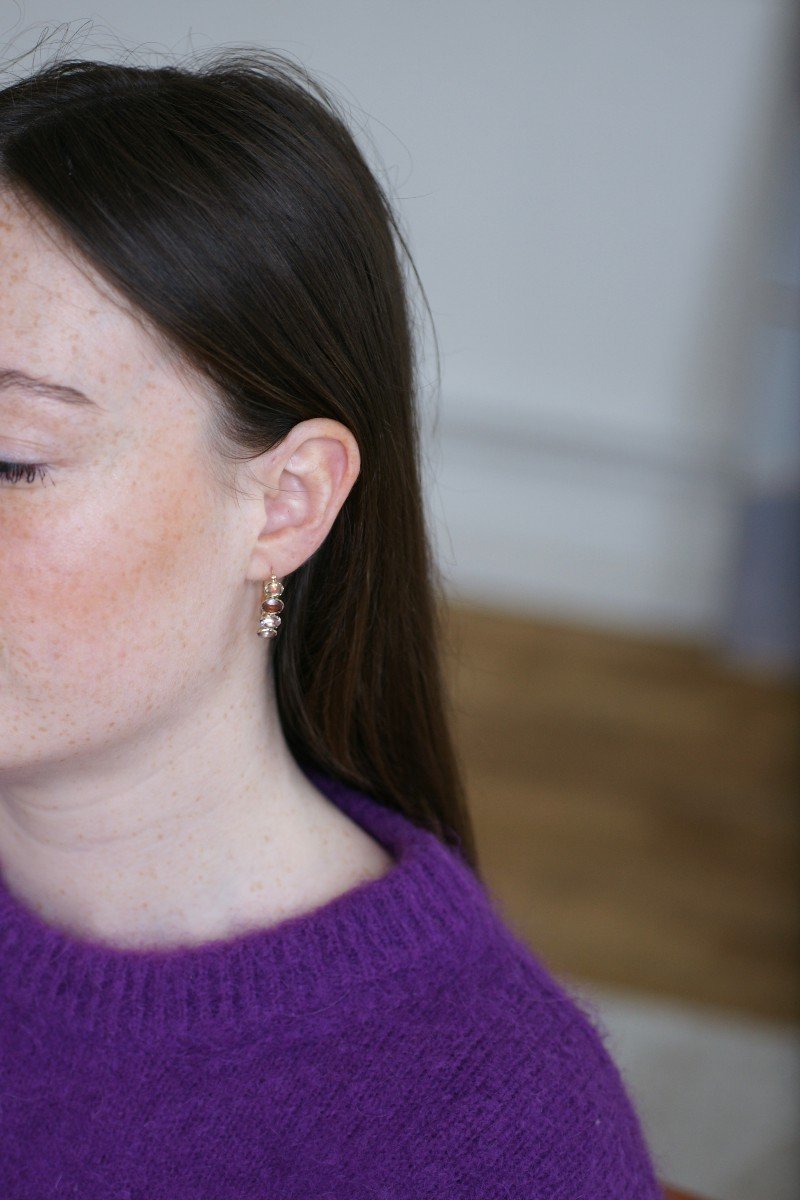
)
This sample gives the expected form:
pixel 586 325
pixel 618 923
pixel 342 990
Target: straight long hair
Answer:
pixel 230 206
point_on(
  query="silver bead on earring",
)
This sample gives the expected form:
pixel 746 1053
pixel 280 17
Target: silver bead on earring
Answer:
pixel 271 605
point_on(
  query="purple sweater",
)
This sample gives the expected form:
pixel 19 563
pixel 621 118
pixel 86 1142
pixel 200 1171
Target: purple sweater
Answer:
pixel 400 1042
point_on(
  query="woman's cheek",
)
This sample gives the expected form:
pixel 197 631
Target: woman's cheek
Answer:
pixel 100 597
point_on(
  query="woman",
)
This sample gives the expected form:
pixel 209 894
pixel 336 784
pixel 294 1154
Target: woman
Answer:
pixel 245 947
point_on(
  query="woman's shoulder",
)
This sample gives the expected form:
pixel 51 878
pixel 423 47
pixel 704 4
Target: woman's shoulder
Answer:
pixel 525 1085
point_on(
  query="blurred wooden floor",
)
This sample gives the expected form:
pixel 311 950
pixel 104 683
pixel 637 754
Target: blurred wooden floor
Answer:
pixel 636 808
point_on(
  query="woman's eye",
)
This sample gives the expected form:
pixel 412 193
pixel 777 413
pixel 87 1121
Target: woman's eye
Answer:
pixel 12 472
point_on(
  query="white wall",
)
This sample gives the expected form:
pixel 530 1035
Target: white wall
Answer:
pixel 581 183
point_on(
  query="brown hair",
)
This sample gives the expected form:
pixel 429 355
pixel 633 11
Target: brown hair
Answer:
pixel 228 202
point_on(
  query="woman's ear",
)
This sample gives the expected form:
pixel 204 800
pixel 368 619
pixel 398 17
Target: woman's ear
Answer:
pixel 298 489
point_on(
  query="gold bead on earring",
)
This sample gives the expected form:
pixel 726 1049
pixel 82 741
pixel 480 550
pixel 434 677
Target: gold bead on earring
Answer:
pixel 271 605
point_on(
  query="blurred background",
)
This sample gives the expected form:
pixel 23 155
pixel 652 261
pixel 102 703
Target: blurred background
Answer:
pixel 602 198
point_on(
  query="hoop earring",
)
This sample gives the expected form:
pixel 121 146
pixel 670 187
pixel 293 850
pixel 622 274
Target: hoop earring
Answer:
pixel 271 605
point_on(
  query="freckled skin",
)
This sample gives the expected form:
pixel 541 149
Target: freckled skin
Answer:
pixel 147 795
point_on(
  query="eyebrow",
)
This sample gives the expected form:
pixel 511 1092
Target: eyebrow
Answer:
pixel 9 377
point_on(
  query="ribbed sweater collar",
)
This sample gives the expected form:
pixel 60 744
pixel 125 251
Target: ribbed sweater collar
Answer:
pixel 428 904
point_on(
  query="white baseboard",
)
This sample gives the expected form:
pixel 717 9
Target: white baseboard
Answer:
pixel 586 524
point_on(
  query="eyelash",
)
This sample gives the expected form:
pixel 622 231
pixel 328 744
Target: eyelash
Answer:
pixel 14 471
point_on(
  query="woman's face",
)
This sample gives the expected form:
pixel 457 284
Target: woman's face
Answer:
pixel 117 558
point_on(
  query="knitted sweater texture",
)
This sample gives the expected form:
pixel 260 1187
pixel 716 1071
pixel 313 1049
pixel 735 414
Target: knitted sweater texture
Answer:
pixel 399 1042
